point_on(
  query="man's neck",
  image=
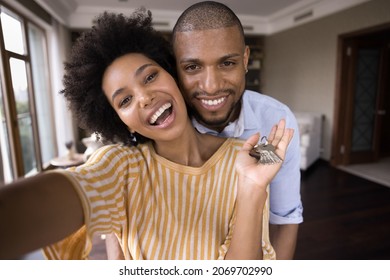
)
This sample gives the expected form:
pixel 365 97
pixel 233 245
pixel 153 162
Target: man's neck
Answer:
pixel 219 127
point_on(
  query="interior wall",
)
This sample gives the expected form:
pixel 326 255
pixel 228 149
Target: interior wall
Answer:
pixel 60 45
pixel 300 63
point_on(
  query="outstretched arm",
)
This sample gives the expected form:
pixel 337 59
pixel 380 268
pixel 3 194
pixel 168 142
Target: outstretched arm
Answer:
pixel 253 179
pixel 37 211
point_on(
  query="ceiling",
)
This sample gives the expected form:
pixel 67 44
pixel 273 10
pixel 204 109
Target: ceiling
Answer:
pixel 257 16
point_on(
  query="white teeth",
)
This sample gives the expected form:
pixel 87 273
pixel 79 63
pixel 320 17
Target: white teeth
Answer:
pixel 213 102
pixel 156 115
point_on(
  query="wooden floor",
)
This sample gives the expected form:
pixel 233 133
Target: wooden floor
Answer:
pixel 345 217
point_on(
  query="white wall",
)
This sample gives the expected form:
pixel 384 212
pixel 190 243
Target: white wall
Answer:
pixel 59 46
pixel 300 63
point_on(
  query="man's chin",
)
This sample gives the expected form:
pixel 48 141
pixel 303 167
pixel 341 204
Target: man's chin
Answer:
pixel 215 124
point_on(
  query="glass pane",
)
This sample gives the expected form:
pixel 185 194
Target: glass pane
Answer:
pixel 12 33
pixel 42 96
pixel 6 172
pixel 27 142
pixel 366 85
pixel 19 84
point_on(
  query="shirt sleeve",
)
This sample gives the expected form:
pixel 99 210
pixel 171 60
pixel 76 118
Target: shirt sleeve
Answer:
pixel 101 184
pixel 261 112
pixel 286 205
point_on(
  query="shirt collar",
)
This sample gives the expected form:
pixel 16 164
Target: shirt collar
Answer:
pixel 246 120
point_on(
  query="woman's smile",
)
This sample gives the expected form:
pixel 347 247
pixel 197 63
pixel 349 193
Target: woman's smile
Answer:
pixel 145 97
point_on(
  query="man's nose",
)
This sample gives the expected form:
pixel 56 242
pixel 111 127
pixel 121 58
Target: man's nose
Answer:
pixel 210 81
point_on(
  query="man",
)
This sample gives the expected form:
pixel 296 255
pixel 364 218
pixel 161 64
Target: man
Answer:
pixel 212 59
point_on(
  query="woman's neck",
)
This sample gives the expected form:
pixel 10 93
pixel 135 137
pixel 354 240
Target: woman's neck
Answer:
pixel 191 148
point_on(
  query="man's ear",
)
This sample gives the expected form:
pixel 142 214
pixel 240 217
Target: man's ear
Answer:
pixel 246 56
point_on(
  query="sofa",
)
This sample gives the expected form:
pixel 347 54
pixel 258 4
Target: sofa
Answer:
pixel 310 132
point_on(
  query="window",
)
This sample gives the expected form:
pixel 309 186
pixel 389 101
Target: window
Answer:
pixel 27 132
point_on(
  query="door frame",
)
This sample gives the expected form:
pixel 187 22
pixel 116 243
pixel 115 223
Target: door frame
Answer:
pixel 343 112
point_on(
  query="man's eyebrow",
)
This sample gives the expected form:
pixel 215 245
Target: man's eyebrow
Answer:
pixel 198 61
pixel 189 59
pixel 228 56
pixel 137 73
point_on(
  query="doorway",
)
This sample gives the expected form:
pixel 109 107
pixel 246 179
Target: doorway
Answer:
pixel 362 112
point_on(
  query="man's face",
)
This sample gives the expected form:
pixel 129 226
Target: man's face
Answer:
pixel 211 68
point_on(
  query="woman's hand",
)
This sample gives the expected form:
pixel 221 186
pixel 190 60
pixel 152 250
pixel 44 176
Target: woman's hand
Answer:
pixel 253 179
pixel 248 168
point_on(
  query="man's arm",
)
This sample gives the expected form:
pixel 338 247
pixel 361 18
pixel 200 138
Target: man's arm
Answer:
pixel 284 238
pixel 286 206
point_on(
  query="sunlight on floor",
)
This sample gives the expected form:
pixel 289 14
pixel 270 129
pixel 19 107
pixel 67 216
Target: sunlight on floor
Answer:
pixel 378 172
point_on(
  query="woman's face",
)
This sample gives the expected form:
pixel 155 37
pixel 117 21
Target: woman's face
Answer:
pixel 145 97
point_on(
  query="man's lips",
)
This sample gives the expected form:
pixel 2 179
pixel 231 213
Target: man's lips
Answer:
pixel 212 104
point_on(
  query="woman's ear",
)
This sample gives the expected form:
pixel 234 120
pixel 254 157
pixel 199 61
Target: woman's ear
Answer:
pixel 132 131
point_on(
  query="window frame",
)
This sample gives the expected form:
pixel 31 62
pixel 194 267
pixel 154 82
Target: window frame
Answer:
pixel 9 103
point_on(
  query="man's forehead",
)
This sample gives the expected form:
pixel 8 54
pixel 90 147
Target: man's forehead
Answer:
pixel 194 36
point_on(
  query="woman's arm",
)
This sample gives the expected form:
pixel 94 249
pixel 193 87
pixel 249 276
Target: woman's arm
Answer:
pixel 37 211
pixel 253 179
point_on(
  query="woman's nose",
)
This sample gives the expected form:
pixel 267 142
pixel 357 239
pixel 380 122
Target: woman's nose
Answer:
pixel 145 99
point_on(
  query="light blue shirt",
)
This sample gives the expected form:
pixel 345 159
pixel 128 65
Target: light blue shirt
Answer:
pixel 258 114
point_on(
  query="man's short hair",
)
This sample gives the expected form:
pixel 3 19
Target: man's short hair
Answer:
pixel 207 15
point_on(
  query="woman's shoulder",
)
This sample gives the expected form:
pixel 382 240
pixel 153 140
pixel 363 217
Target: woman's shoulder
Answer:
pixel 119 151
pixel 229 143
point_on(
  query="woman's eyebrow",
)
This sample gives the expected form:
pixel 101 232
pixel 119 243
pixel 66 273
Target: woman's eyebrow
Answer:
pixel 137 73
pixel 142 68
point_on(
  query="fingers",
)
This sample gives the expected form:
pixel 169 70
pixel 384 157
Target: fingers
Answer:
pixel 251 142
pixel 271 135
pixel 285 139
pixel 278 132
pixel 280 137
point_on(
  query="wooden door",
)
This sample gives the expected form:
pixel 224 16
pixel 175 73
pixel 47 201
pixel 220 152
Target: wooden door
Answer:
pixel 362 120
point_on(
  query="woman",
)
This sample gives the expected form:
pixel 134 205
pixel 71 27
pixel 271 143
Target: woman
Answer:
pixel 167 192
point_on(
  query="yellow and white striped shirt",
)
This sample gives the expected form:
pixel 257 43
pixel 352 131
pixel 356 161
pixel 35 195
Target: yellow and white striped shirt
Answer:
pixel 158 209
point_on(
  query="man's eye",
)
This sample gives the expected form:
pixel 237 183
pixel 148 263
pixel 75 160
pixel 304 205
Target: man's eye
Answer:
pixel 125 101
pixel 228 63
pixel 191 67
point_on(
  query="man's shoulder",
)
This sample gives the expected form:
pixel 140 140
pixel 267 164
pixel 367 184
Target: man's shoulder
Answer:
pixel 257 98
pixel 265 108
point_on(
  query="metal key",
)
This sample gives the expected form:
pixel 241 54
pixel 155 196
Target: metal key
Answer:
pixel 265 153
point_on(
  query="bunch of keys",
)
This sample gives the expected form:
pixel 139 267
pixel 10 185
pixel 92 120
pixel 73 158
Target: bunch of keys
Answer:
pixel 265 153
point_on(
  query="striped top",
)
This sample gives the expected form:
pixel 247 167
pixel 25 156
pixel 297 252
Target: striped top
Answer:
pixel 157 208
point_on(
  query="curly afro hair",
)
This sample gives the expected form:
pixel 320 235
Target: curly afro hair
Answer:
pixel 112 36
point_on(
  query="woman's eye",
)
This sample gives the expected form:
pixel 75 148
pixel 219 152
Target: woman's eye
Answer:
pixel 125 101
pixel 150 78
